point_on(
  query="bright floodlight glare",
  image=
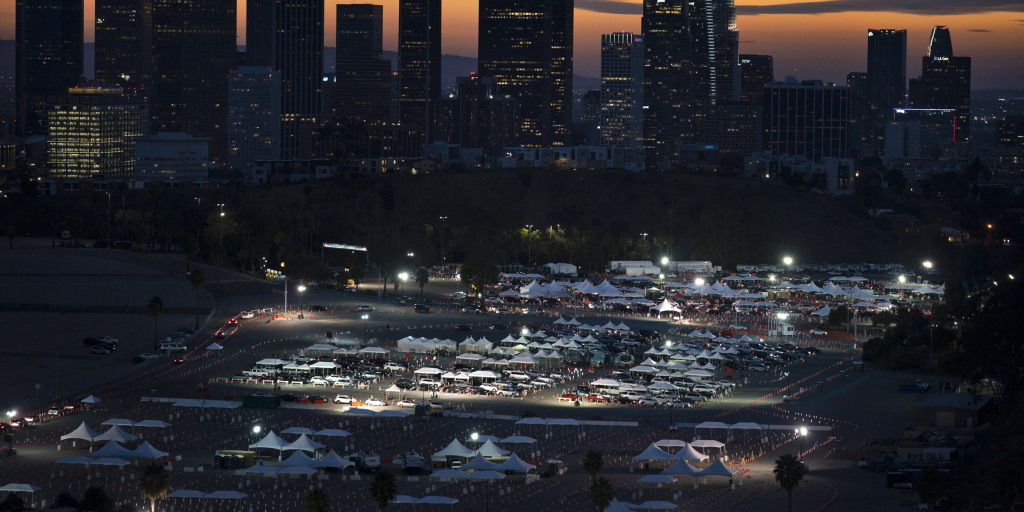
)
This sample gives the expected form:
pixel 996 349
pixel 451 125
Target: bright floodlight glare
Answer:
pixel 803 431
pixel 661 276
pixel 474 436
pixel 927 264
pixel 782 315
pixel 403 276
pixel 699 281
pixel 664 260
pixel 365 316
pixel 787 260
pixel 526 330
pixel 903 278
pixel 11 413
pixel 256 429
pixel 302 287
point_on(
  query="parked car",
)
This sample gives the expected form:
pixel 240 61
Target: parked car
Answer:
pixel 149 355
pixel 464 327
pixel 436 406
pixel 472 310
pixel 405 403
pixel 342 399
pixel 374 402
pixel 99 349
pixel 817 332
pixel 365 307
pixel 319 381
pixel 421 308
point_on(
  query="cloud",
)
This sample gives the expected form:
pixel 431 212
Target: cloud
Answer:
pixel 979 30
pixel 922 7
pixel 610 6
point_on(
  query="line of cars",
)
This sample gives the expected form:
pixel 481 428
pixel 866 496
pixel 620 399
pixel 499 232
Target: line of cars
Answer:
pixel 101 345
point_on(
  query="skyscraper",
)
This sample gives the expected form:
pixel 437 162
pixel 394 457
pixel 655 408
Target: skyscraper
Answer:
pixel 193 49
pixel 887 76
pixel 622 90
pixel 48 57
pixel 254 116
pixel 288 36
pixel 945 82
pixel 715 52
pixel 526 46
pixel 807 118
pixel 477 115
pixel 124 43
pixel 756 71
pixel 667 108
pixel 93 131
pixel 860 132
pixel 419 62
pixel 363 85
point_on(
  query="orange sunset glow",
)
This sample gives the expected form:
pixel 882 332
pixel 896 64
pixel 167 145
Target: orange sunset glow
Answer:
pixel 821 46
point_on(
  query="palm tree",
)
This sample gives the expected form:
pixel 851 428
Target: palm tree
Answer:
pixel 593 463
pixel 602 493
pixel 383 489
pixel 422 277
pixel 930 487
pixel 788 472
pixel 197 280
pixel 155 307
pixel 316 501
pixel 153 484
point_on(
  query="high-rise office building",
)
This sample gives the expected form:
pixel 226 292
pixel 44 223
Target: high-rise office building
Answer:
pixel 668 110
pixel 124 43
pixel 362 88
pixel 808 118
pixel 715 53
pixel 622 90
pixel 526 46
pixel 48 57
pixel 193 50
pixel 419 62
pixel 887 77
pixel 288 36
pixel 756 71
pixel 93 131
pixel 862 142
pixel 945 82
pixel 477 115
pixel 254 116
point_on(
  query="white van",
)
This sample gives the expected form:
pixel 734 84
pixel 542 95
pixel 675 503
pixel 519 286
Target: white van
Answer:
pixel 247 314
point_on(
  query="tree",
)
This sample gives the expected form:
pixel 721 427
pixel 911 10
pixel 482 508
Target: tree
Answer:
pixel 593 463
pixel 11 234
pixel 788 472
pixel 316 501
pixel 95 499
pixel 155 307
pixel 1010 486
pixel 602 493
pixel 153 484
pixel 929 488
pixel 383 489
pixel 422 277
pixel 66 500
pixel 13 503
pixel 197 280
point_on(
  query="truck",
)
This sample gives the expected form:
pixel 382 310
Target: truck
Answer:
pixel 365 461
pixel 913 386
pixel 414 462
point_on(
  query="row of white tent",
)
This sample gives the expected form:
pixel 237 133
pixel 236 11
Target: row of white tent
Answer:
pixel 114 433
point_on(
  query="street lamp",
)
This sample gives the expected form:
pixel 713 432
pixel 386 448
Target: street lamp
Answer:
pixel 365 317
pixel 801 433
pixel 788 261
pixel 443 219
pixel 403 276
pixel 256 429
pixel 699 282
pixel 529 248
pixel 301 289
pixel 221 205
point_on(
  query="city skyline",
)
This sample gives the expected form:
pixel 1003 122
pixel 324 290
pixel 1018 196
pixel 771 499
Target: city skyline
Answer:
pixel 824 43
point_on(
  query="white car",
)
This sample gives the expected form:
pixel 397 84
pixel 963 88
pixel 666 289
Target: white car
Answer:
pixel 739 327
pixel 405 403
pixel 393 367
pixel 506 392
pixel 374 402
pixel 365 307
pixel 248 314
pixel 319 381
pixel 150 355
pixel 342 399
pixel 817 332
pixel 649 401
pixel 99 349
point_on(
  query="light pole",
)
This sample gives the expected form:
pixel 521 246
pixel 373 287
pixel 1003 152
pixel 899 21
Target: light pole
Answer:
pixel 644 235
pixel 403 277
pixel 903 280
pixel 529 248
pixel 801 433
pixel 699 282
pixel 302 297
pixel 365 317
pixel 110 227
pixel 285 289
pixel 788 261
pixel 443 220
pixel 782 316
